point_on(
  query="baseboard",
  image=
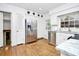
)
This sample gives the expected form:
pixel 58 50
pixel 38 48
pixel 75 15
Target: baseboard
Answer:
pixel 20 44
pixel 40 38
pixel 52 44
pixel 31 42
pixel 45 38
pixel 2 47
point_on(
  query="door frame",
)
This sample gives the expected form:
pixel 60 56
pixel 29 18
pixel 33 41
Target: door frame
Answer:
pixel 4 37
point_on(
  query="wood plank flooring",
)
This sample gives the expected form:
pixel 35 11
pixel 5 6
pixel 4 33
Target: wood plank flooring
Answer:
pixel 30 38
pixel 39 48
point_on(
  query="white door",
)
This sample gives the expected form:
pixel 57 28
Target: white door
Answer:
pixel 17 29
pixel 20 26
pixel 1 29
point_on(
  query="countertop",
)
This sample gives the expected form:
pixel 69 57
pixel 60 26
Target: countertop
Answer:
pixel 68 32
pixel 70 46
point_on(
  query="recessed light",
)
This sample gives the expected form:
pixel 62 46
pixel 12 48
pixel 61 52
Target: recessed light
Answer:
pixel 41 15
pixel 38 14
pixel 33 13
pixel 28 12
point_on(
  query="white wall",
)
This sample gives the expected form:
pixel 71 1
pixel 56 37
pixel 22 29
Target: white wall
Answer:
pixel 42 31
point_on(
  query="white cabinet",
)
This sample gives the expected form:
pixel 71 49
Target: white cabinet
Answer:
pixel 17 29
pixel 61 37
pixel 69 22
pixel 1 29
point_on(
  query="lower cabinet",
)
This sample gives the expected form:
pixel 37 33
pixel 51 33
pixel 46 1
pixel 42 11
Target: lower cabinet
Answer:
pixel 61 37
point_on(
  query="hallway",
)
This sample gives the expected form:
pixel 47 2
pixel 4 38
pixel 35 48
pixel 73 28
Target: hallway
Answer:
pixel 39 48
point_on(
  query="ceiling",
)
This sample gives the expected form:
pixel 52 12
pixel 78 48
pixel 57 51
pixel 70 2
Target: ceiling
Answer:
pixel 42 8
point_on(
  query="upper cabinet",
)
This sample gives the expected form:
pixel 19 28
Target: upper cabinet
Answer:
pixel 69 21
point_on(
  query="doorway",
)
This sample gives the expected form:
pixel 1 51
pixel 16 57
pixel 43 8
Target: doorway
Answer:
pixel 7 37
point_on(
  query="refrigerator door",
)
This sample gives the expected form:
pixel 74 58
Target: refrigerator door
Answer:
pixel 31 31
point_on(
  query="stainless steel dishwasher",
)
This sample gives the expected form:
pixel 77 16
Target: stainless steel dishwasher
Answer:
pixel 52 37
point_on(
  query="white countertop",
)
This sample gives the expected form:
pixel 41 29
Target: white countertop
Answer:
pixel 71 46
pixel 70 32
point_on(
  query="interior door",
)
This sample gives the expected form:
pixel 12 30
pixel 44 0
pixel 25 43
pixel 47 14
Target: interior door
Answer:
pixel 17 29
pixel 1 29
pixel 20 26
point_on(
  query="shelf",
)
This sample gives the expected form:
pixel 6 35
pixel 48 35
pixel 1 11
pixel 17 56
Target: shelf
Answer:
pixel 7 19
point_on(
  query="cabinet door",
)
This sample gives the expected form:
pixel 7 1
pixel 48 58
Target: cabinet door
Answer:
pixel 61 37
pixel 17 29
pixel 1 29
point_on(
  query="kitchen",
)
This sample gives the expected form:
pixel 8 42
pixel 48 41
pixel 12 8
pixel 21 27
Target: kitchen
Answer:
pixel 59 26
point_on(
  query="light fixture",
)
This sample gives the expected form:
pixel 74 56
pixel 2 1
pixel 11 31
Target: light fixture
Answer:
pixel 41 15
pixel 33 13
pixel 38 14
pixel 28 12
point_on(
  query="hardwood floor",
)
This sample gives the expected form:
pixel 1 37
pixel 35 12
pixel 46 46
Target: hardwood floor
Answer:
pixel 39 48
pixel 30 38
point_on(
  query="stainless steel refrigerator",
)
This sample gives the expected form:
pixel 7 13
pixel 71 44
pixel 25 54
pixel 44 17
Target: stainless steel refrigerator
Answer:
pixel 30 30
